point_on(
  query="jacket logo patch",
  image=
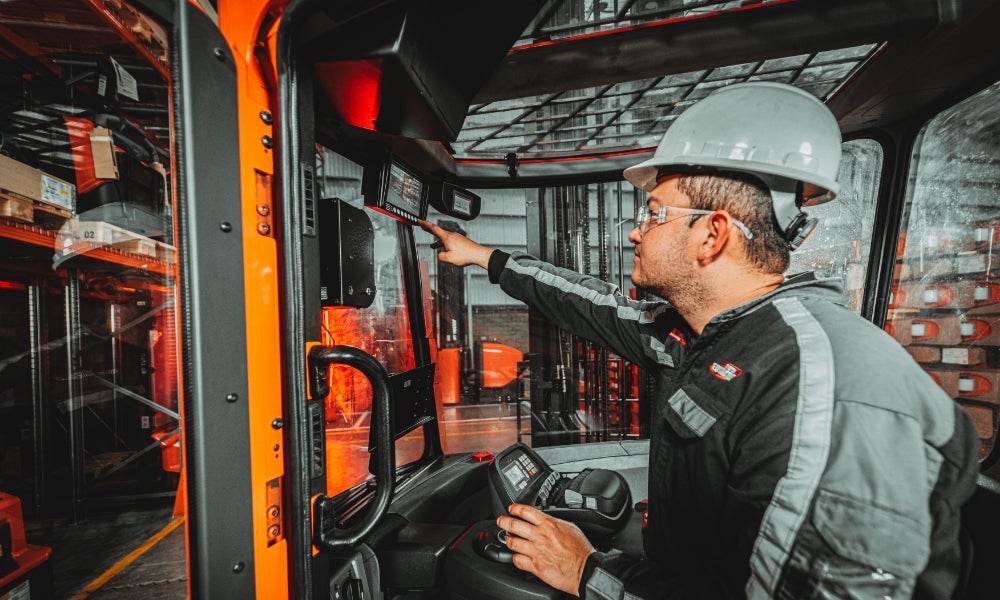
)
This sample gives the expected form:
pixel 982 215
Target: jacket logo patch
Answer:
pixel 726 372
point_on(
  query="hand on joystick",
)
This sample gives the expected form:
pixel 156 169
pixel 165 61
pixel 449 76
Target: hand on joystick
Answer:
pixel 551 549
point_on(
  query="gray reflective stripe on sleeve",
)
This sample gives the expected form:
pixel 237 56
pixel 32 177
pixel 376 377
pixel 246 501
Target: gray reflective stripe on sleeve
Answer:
pixel 811 438
pixel 605 586
pixel 624 311
pixel 660 351
pixel 693 415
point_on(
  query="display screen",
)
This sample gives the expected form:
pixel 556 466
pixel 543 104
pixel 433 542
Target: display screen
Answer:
pixel 519 471
pixel 404 192
pixel 393 188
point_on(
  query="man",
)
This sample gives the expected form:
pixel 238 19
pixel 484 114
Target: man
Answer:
pixel 796 451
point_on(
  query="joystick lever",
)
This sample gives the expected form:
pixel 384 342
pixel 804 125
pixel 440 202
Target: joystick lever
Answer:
pixel 491 542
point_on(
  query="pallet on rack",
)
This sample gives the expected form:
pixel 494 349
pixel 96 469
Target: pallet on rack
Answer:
pixel 46 192
pixel 80 236
pixel 166 253
pixel 50 216
pixel 16 207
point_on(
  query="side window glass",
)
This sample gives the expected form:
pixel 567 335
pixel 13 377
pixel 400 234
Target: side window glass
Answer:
pixel 89 366
pixel 841 243
pixel 382 330
pixel 945 305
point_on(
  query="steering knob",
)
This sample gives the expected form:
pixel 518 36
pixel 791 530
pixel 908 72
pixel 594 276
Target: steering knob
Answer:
pixel 492 543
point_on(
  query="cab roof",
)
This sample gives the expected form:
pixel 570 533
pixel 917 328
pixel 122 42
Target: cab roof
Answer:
pixel 586 87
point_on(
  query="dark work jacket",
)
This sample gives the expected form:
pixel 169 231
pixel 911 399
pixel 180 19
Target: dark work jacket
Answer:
pixel 796 450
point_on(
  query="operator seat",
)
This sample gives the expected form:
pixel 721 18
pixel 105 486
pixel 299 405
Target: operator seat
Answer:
pixel 979 538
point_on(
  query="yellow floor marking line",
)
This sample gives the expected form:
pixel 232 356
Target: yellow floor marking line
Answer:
pixel 96 584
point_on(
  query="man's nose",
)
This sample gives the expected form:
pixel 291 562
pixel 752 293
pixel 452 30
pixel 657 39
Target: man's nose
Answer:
pixel 635 236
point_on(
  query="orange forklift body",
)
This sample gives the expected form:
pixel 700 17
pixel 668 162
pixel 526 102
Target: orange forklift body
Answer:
pixel 25 569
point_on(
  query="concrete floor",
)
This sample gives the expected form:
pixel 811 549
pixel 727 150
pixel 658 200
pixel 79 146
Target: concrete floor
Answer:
pixel 125 552
pixel 87 557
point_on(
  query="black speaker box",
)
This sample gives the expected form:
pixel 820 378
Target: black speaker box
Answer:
pixel 347 255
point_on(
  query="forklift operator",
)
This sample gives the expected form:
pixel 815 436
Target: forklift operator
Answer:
pixel 796 450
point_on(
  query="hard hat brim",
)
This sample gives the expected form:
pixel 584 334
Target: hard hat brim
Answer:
pixel 644 174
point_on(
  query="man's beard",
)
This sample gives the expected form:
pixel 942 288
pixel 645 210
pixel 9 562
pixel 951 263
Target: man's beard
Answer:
pixel 679 286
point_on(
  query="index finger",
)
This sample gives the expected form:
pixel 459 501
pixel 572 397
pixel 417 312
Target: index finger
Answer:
pixel 430 227
pixel 527 513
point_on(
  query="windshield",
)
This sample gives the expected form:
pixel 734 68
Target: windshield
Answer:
pixel 507 375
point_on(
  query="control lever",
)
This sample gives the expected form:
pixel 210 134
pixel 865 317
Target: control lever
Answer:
pixel 491 542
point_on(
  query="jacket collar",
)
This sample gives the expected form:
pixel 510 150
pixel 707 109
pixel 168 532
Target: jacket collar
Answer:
pixel 802 285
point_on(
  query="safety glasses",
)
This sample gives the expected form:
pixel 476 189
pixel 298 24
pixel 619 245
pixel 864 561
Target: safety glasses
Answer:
pixel 647 219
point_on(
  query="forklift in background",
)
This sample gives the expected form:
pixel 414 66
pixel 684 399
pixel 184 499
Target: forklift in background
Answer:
pixel 479 372
pixel 25 569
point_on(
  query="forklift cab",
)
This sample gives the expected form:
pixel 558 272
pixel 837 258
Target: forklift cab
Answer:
pixel 247 295
pixel 410 461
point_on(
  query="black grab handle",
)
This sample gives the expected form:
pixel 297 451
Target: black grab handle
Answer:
pixel 327 534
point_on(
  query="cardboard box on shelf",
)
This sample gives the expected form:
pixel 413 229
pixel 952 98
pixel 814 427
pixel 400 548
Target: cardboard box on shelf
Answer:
pixel 982 385
pixel 948 356
pixel 102 147
pixel 933 241
pixel 963 356
pixel 924 354
pixel 37 185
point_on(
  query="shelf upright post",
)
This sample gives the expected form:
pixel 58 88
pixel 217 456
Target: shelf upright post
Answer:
pixel 39 367
pixel 74 389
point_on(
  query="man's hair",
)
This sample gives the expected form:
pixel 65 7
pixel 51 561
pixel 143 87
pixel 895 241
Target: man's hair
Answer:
pixel 745 198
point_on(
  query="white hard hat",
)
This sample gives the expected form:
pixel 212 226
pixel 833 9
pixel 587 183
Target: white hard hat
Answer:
pixel 777 132
pixel 757 127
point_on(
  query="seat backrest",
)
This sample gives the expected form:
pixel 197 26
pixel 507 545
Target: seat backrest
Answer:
pixel 980 541
pixel 965 543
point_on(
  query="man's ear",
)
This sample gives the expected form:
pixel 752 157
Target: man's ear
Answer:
pixel 716 231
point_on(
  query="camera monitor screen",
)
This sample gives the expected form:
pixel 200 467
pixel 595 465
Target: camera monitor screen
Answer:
pixel 397 191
